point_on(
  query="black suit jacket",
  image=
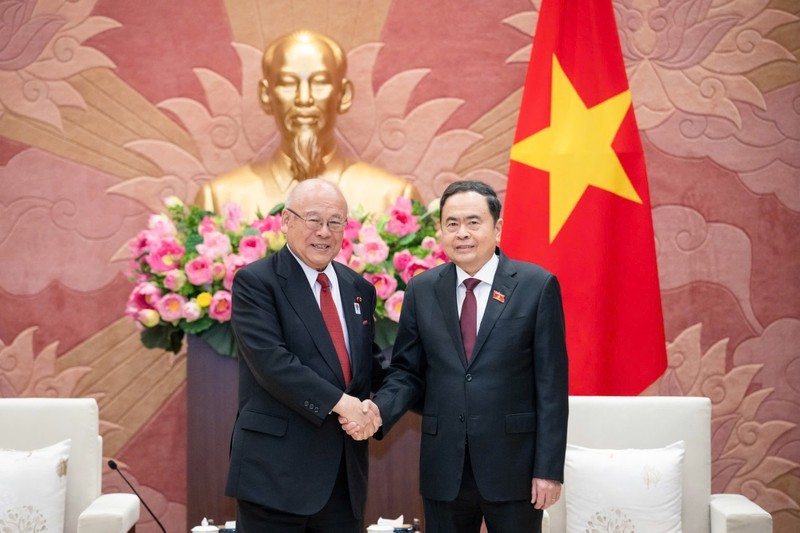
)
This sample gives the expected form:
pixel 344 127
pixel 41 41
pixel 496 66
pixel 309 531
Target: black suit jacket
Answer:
pixel 510 401
pixel 286 447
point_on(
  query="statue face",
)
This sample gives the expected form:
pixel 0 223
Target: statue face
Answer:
pixel 305 90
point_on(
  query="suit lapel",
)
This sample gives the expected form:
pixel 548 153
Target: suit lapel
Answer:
pixel 355 327
pixel 446 295
pixel 301 298
pixel 504 283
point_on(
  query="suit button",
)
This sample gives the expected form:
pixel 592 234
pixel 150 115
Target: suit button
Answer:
pixel 460 418
pixel 316 409
pixel 305 403
pixel 311 406
pixel 469 377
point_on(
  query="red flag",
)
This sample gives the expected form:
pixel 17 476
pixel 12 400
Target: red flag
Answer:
pixel 577 201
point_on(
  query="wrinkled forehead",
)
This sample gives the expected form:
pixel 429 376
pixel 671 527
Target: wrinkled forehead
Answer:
pixel 325 203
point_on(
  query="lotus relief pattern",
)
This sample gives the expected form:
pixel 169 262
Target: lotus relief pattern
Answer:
pixel 40 48
pixel 744 457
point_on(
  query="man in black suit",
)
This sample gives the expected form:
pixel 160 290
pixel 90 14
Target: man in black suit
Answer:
pixel 304 328
pixel 481 347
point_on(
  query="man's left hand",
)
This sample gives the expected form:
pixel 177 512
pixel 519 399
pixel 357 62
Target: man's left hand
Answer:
pixel 544 492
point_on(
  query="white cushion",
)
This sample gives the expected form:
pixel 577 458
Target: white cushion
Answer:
pixel 33 488
pixel 624 490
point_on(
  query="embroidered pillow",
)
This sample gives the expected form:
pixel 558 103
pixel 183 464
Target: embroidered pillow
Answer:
pixel 33 488
pixel 624 490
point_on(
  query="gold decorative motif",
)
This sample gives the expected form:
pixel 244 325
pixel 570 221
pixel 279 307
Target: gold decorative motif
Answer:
pixel 61 467
pixel 610 521
pixel 25 519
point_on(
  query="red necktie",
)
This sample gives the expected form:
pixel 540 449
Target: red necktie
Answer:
pixel 469 317
pixel 331 317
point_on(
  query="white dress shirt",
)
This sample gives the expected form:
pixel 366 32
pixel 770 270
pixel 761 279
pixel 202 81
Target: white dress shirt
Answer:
pixel 482 290
pixel 311 276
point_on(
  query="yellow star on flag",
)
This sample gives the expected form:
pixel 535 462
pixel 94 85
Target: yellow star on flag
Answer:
pixel 576 148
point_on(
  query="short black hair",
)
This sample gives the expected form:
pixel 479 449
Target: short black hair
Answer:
pixel 475 186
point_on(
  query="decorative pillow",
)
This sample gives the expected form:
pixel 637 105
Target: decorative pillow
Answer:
pixel 624 490
pixel 33 489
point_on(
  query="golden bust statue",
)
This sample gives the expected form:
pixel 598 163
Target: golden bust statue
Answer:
pixel 304 88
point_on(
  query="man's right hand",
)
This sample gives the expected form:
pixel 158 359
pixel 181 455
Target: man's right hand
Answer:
pixel 359 419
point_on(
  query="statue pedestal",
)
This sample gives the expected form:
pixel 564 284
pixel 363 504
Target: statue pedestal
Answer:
pixel 212 382
pixel 212 391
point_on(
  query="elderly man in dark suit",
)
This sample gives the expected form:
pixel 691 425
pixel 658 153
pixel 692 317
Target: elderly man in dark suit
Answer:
pixel 304 327
pixel 481 347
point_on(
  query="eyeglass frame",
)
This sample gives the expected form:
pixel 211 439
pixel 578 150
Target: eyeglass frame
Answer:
pixel 321 223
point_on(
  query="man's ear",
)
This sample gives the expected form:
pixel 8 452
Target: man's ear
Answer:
pixel 263 95
pixel 347 95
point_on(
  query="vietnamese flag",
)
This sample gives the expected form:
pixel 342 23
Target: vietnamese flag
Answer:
pixel 577 201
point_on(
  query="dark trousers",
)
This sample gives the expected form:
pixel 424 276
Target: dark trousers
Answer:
pixel 469 509
pixel 335 517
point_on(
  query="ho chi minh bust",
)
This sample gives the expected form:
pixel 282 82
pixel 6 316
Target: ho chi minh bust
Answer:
pixel 304 88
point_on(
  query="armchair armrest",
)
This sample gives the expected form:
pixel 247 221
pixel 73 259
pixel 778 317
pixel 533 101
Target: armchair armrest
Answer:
pixel 110 513
pixel 734 513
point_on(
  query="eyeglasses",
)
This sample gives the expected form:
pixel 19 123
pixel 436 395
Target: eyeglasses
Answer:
pixel 335 225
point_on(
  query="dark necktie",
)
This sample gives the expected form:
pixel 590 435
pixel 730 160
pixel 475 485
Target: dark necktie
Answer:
pixel 469 317
pixel 331 317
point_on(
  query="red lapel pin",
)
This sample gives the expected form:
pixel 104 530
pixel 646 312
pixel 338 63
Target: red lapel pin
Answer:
pixel 499 297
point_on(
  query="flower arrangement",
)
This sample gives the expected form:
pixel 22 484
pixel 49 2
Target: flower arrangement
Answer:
pixel 183 264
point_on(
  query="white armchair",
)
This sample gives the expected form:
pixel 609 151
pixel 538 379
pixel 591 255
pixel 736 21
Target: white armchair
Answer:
pixel 611 422
pixel 33 423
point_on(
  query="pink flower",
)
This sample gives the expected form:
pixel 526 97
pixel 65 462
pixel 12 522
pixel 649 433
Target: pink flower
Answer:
pixel 170 307
pixel 148 317
pixel 233 263
pixel 414 267
pixel 165 257
pixel 141 243
pixel 373 252
pixel 368 232
pixel 220 308
pixel 439 255
pixel 429 243
pixel 385 284
pixel 252 247
pixel 357 264
pixel 207 226
pixel 347 250
pixel 233 216
pixel 352 228
pixel 215 244
pixel 401 221
pixel 144 296
pixel 192 311
pixel 198 270
pixel 394 304
pixel 174 280
pixel 401 259
pixel 162 226
pixel 269 223
pixel 217 271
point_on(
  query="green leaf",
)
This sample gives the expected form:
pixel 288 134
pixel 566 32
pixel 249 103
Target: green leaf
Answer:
pixel 277 209
pixel 220 337
pixel 198 326
pixel 164 336
pixel 385 332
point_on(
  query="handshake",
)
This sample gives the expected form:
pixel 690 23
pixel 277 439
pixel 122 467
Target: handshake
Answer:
pixel 359 419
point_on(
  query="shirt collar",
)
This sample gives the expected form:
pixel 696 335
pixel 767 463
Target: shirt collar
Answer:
pixel 485 274
pixel 312 273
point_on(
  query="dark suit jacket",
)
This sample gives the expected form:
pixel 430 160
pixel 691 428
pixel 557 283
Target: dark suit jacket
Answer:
pixel 286 447
pixel 510 401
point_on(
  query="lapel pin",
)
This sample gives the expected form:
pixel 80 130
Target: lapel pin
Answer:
pixel 357 308
pixel 500 297
pixel 358 299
